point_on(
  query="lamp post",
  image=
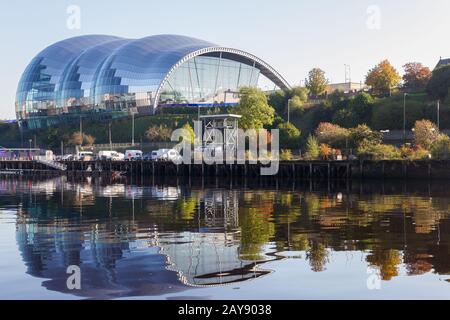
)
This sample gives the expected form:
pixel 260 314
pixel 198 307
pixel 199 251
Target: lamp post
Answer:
pixel 110 137
pixel 437 111
pixel 30 141
pixel 132 128
pixel 288 110
pixel 404 117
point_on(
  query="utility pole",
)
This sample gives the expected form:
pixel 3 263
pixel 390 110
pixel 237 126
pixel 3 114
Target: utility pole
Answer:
pixel 81 131
pixel 404 117
pixel 132 128
pixel 110 138
pixel 438 107
pixel 288 110
pixel 62 149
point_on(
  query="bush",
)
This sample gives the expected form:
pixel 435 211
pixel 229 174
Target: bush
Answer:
pixel 312 148
pixel 379 152
pixel 332 135
pixel 425 133
pixel 289 135
pixel 285 155
pixel 417 153
pixel 441 148
pixel 363 136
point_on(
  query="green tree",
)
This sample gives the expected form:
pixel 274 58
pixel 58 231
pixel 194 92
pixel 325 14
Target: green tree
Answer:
pixel 289 135
pixel 312 148
pixel 361 107
pixel 316 81
pixel 439 84
pixel 190 132
pixel 254 109
pixel 383 77
pixel 363 136
pixel 441 148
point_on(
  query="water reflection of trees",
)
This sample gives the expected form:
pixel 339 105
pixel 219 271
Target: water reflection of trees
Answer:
pixel 392 229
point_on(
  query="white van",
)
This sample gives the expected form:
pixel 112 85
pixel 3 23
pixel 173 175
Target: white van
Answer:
pixel 166 155
pixel 131 155
pixel 105 155
pixel 117 156
pixel 84 156
pixel 110 155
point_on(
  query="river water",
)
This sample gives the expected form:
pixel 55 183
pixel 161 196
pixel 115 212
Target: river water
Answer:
pixel 219 240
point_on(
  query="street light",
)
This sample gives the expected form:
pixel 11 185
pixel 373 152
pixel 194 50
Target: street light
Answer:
pixel 30 141
pixel 132 129
pixel 288 110
pixel 437 111
pixel 404 117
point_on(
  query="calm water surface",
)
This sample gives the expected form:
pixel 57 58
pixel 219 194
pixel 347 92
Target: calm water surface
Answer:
pixel 202 240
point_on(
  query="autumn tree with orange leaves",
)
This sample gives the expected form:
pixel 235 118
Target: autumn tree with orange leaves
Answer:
pixel 383 77
pixel 416 76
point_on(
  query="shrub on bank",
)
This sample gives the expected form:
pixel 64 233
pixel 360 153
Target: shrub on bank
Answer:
pixel 379 152
pixel 441 148
pixel 285 155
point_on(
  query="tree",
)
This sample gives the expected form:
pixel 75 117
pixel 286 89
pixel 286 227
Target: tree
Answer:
pixel 300 92
pixel 363 136
pixel 439 83
pixel 332 135
pixel 296 105
pixel 416 76
pixel 278 100
pixel 158 133
pixel 76 139
pixel 289 135
pixel 361 107
pixel 441 148
pixel 383 77
pixel 425 133
pixel 190 132
pixel 254 109
pixel 312 148
pixel 316 81
pixel 88 139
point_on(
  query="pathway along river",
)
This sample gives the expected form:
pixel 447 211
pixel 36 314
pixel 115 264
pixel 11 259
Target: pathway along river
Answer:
pixel 275 240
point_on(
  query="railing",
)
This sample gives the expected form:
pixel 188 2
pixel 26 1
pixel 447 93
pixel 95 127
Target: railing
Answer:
pixel 52 164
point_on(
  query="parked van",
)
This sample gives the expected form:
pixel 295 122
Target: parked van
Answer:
pixel 110 155
pixel 117 156
pixel 84 156
pixel 131 155
pixel 166 155
pixel 105 155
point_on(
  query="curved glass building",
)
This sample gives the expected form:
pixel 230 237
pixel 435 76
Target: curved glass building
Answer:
pixel 108 77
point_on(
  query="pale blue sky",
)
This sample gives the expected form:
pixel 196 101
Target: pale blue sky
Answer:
pixel 292 35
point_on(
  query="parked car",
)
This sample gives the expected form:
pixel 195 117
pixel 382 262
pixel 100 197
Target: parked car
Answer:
pixel 147 156
pixel 131 155
pixel 166 155
pixel 105 155
pixel 84 156
pixel 118 156
pixel 68 157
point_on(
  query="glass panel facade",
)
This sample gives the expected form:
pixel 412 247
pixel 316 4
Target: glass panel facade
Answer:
pixel 208 80
pixel 110 77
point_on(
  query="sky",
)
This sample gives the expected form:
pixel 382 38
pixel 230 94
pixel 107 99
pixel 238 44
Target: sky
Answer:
pixel 293 36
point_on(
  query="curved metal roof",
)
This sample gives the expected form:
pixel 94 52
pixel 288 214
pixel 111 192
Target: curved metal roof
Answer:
pixel 89 66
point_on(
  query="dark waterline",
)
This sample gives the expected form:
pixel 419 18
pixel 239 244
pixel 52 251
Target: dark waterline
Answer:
pixel 215 238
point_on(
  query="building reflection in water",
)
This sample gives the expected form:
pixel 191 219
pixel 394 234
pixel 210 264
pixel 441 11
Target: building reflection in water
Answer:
pixel 135 240
pixel 129 240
